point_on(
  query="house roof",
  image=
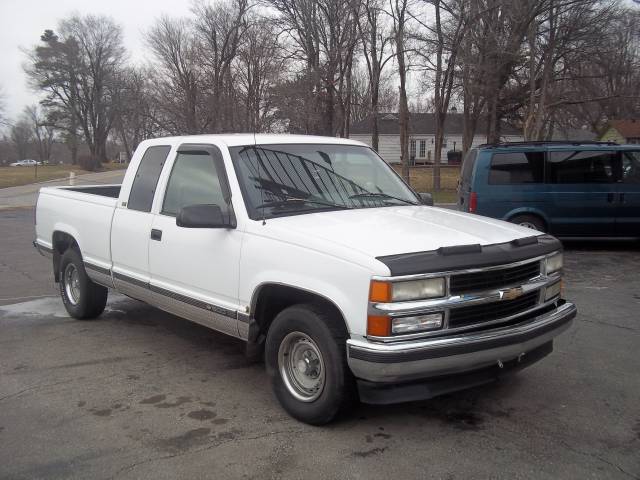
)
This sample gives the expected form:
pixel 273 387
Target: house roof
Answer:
pixel 423 124
pixel 627 128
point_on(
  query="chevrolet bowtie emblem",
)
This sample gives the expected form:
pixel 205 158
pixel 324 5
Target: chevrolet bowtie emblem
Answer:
pixel 511 293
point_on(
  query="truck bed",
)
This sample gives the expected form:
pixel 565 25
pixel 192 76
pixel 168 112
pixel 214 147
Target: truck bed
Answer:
pixel 84 212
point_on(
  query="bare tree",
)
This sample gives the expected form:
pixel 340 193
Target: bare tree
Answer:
pixel 43 132
pixel 78 71
pixel 376 45
pixel 258 69
pixel 443 42
pixel 21 135
pixel 219 29
pixel 178 92
pixel 399 12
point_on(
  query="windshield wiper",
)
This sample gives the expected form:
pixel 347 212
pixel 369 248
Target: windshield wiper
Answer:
pixel 299 201
pixel 381 195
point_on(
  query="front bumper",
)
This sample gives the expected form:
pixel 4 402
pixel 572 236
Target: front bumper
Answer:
pixel 435 357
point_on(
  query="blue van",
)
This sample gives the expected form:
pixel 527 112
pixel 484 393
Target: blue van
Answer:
pixel 567 189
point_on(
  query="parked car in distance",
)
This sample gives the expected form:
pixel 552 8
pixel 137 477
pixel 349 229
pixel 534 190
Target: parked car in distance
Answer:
pixel 315 253
pixel 25 163
pixel 568 189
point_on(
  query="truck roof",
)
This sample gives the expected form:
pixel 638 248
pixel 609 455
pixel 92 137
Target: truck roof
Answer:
pixel 238 139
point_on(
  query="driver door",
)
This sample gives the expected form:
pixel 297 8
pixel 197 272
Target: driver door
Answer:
pixel 194 271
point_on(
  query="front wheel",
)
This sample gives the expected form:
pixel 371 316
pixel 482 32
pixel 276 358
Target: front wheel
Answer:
pixel 306 361
pixel 82 298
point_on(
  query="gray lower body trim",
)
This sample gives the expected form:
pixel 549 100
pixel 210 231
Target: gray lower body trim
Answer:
pixel 42 250
pixel 206 314
pixel 99 275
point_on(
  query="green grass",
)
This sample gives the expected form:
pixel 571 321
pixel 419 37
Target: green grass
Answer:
pixel 15 176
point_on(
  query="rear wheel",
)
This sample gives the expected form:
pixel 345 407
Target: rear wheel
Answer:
pixel 306 361
pixel 529 221
pixel 82 298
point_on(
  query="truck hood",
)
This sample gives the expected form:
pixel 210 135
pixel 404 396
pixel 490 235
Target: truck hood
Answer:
pixel 384 231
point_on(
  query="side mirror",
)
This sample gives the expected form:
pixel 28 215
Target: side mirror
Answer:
pixel 204 216
pixel 426 199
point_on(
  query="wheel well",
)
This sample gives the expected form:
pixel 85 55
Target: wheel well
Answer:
pixel 61 242
pixel 271 299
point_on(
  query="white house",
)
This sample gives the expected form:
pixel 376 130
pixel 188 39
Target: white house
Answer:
pixel 422 133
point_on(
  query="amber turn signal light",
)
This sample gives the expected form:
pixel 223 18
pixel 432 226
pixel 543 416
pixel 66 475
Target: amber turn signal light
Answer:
pixel 378 326
pixel 379 291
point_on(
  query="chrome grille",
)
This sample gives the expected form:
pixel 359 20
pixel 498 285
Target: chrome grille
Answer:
pixel 490 279
pixel 463 316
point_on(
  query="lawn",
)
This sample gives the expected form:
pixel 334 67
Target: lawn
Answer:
pixel 14 176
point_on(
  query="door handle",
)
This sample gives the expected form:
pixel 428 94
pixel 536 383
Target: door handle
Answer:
pixel 156 234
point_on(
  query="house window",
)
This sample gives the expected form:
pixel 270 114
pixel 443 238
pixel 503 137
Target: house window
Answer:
pixel 444 142
pixel 423 148
pixel 412 149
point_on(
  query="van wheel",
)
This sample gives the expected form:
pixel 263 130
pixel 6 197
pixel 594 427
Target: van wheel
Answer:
pixel 306 361
pixel 82 298
pixel 529 221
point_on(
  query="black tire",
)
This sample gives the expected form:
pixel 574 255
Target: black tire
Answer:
pixel 318 329
pixel 82 298
pixel 531 221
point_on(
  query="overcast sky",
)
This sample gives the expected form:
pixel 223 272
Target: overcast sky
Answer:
pixel 23 21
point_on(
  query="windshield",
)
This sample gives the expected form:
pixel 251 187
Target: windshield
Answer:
pixel 281 180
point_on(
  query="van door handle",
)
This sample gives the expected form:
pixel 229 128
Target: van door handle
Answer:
pixel 156 234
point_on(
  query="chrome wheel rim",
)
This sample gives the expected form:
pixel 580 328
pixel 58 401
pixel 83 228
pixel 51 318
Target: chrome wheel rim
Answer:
pixel 301 366
pixel 72 283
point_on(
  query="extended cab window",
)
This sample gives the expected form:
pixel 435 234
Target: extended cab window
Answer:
pixel 582 167
pixel 146 179
pixel 194 180
pixel 516 167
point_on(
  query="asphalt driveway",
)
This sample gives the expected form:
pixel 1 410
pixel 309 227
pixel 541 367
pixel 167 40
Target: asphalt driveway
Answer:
pixel 139 393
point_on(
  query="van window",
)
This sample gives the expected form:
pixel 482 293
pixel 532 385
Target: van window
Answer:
pixel 581 167
pixel 631 167
pixel 146 179
pixel 468 164
pixel 194 180
pixel 516 167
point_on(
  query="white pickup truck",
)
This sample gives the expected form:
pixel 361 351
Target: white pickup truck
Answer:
pixel 313 251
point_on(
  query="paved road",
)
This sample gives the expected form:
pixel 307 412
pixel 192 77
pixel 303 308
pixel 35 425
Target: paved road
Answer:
pixel 141 394
pixel 25 195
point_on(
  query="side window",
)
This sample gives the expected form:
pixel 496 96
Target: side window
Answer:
pixel 581 167
pixel 467 166
pixel 516 168
pixel 146 179
pixel 631 168
pixel 194 180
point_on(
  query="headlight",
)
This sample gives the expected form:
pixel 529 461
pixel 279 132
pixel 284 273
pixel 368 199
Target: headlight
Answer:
pixel 553 263
pixel 418 323
pixel 408 290
pixel 417 289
